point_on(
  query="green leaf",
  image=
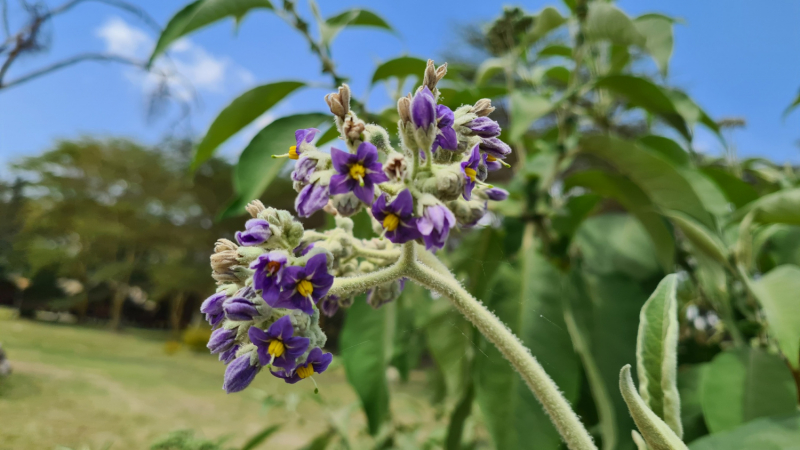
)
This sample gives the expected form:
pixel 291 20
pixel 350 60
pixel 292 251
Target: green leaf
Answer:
pixel 556 50
pixel 628 194
pixel 491 67
pixel 779 207
pixel 660 180
pixel 453 98
pixel 546 21
pixel 701 237
pixel 735 189
pixel 199 14
pixel 689 384
pixel 256 167
pixel 241 112
pixel 644 94
pixel 404 66
pixel 455 427
pixel 656 353
pixel 258 439
pixel 656 433
pixel 792 106
pixel 528 301
pixel 354 17
pixel 366 342
pixel 777 293
pixel 745 384
pixel 321 441
pixel 608 23
pixel 692 113
pixel 657 30
pixel 526 108
pixel 559 74
pixel 667 148
pixel 770 433
pixel 447 335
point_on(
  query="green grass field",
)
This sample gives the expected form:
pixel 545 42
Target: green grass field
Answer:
pixel 85 388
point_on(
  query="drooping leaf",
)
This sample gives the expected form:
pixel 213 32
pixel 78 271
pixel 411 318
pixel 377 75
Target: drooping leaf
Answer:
pixel 659 179
pixel 491 67
pixel 777 293
pixel 366 342
pixel 632 198
pixel 259 439
pixel 769 433
pixel 656 354
pixel 782 207
pixel 692 113
pixel 404 66
pixel 200 14
pixel 354 17
pixel 514 418
pixel 556 50
pixel 558 74
pixel 644 94
pixel 735 189
pixel 240 113
pixel 256 168
pixel 743 385
pixel 701 237
pixel 526 108
pixel 608 23
pixel 657 30
pixel 656 433
pixel 546 21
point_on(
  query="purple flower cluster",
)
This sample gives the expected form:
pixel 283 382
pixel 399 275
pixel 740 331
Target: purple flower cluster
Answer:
pixel 425 111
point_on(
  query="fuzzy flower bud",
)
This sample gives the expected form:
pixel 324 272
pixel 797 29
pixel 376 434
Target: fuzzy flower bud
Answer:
pixel 468 213
pixel 423 108
pixel 339 103
pixel 224 244
pixel 482 108
pixel 254 207
pixel 353 128
pixel 496 194
pixel 446 184
pixel 395 167
pixel 433 75
pixel 346 204
pixel 385 293
pixel 404 109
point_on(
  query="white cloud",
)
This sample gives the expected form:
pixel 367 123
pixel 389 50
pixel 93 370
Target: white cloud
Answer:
pixel 190 66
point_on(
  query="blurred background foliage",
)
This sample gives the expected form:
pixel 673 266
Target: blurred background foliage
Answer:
pixel 607 196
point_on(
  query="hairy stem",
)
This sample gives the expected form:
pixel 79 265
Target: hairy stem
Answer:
pixel 546 391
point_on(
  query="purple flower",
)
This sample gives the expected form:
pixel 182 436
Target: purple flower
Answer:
pixel 300 136
pixel 470 168
pixel 446 137
pixel 329 305
pixel 491 163
pixel 239 308
pixel 497 194
pixel 495 147
pixel 277 345
pixel 228 355
pixel 311 199
pixel 239 374
pixel 256 231
pixel 435 225
pixel 484 127
pixel 303 249
pixel 423 108
pixel 357 173
pixel 212 308
pixel 317 362
pixel 267 274
pixel 304 286
pixel 221 340
pixel 397 217
pixel 303 170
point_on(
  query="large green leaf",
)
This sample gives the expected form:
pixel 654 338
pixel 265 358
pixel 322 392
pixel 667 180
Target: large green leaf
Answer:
pixel 241 112
pixel 354 17
pixel 689 384
pixel 701 237
pixel 529 303
pixel 526 108
pixel 656 433
pixel 637 203
pixel 404 66
pixel 736 190
pixel 745 384
pixel 201 13
pixel 769 433
pixel 655 175
pixel 607 22
pixel 777 293
pixel 546 21
pixel 657 30
pixel 366 342
pixel 644 94
pixel 656 354
pixel 256 167
pixel 782 207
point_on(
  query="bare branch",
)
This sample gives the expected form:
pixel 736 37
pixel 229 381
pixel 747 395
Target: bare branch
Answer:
pixel 74 60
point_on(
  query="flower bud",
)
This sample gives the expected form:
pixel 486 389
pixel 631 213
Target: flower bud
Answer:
pixel 395 167
pixel 495 147
pixel 254 207
pixel 496 194
pixel 224 244
pixel 346 204
pixel 404 109
pixel 482 108
pixel 353 128
pixel 433 75
pixel 385 293
pixel 446 184
pixel 468 213
pixel 221 262
pixel 339 103
pixel 484 127
pixel 423 109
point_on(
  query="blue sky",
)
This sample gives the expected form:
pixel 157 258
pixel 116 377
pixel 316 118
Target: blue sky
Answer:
pixel 736 58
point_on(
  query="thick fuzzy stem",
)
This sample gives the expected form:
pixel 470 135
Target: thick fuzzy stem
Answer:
pixel 546 391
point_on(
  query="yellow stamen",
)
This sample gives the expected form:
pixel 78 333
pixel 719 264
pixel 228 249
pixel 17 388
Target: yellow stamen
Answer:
pixel 391 222
pixel 357 171
pixel 305 371
pixel 293 152
pixel 276 348
pixel 470 173
pixel 491 158
pixel 305 288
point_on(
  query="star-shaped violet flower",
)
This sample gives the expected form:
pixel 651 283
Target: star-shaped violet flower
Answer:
pixel 278 345
pixel 470 168
pixel 267 273
pixel 304 286
pixel 317 362
pixel 300 136
pixel 358 173
pixel 397 217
